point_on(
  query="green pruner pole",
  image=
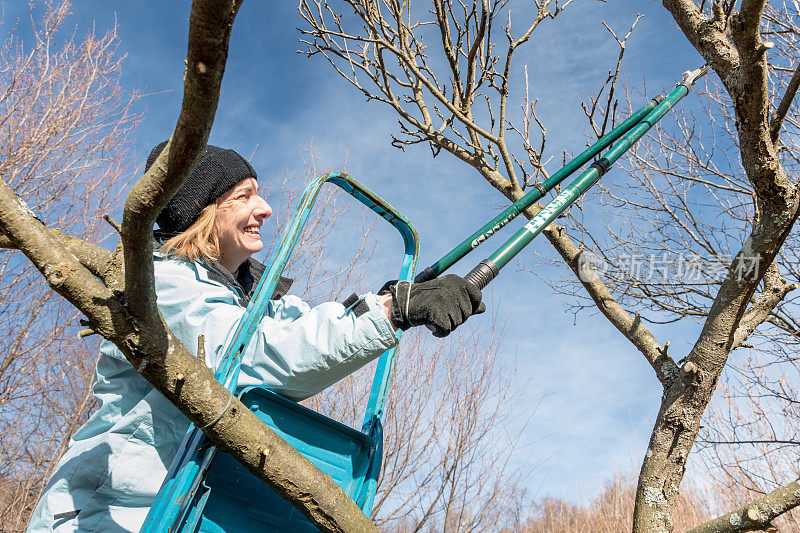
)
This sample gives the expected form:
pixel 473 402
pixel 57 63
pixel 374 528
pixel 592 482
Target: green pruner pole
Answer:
pixel 487 270
pixel 511 212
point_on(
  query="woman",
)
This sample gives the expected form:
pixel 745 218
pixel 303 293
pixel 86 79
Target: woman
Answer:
pixel 115 463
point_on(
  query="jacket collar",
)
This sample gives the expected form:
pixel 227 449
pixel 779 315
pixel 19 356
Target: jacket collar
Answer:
pixel 245 280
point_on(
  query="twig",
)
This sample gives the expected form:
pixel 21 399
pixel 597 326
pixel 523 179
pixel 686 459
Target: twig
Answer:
pixel 783 108
pixel 113 223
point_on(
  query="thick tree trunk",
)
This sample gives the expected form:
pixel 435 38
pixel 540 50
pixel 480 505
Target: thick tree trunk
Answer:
pixel 741 66
pixel 684 402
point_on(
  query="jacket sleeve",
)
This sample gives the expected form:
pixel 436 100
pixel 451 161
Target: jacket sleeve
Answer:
pixel 296 350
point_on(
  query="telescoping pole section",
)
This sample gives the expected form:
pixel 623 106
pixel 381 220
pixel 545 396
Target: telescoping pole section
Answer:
pixel 511 212
pixel 488 269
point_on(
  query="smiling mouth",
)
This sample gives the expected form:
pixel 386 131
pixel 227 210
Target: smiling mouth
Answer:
pixel 252 230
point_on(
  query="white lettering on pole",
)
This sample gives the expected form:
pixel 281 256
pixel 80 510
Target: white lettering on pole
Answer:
pixel 491 231
pixel 551 210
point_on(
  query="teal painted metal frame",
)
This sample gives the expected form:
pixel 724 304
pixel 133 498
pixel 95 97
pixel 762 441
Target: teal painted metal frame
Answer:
pixel 193 459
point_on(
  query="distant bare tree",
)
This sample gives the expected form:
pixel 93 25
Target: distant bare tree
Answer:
pixel 750 444
pixel 64 141
pixel 448 446
pixel 610 511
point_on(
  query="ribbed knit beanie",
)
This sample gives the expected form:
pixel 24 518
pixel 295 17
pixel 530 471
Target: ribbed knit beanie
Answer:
pixel 217 170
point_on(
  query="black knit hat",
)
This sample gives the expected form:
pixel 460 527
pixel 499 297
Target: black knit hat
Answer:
pixel 217 170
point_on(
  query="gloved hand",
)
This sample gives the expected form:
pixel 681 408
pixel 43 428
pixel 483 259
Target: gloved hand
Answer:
pixel 441 304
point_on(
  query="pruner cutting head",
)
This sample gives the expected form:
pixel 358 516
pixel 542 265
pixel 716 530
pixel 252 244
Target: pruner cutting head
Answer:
pixel 691 76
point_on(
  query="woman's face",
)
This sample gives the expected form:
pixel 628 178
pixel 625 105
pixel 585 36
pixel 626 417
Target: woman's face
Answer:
pixel 240 213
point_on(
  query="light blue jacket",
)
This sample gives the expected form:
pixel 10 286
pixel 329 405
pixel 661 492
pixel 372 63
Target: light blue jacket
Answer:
pixel 109 476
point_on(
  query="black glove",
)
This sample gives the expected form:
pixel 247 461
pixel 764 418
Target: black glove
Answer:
pixel 442 304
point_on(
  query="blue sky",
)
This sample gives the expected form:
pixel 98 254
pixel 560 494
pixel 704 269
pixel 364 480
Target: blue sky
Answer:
pixel 596 396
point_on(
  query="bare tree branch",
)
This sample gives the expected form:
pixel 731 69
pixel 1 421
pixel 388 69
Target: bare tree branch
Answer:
pixel 756 515
pixel 630 326
pixel 95 258
pixel 777 202
pixel 208 49
pixel 775 290
pixel 783 108
pixel 707 36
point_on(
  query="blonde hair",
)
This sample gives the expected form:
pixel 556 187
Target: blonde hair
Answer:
pixel 198 241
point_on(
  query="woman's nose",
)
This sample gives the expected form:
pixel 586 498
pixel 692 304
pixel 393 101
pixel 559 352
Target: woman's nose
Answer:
pixel 263 209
